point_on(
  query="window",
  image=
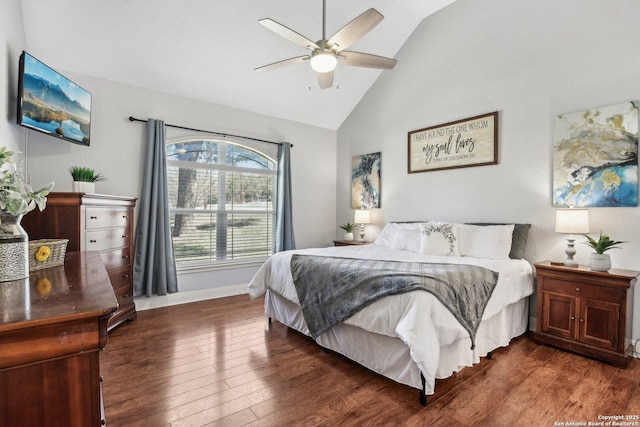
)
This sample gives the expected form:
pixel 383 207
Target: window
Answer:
pixel 221 202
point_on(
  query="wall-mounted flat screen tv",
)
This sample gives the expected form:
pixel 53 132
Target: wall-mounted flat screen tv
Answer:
pixel 51 103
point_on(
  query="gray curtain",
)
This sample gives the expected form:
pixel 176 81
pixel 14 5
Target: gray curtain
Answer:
pixel 284 217
pixel 154 267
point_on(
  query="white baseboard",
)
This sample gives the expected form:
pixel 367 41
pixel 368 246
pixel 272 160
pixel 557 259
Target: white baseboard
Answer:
pixel 144 303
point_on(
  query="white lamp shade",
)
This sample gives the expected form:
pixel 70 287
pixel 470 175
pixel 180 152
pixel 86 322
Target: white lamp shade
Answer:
pixel 572 221
pixel 363 216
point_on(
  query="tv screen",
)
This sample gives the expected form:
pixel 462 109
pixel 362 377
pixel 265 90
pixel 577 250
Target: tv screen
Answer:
pixel 51 103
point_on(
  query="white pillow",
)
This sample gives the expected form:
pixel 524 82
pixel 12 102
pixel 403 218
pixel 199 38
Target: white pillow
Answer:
pixel 485 241
pixel 388 233
pixel 407 240
pixel 439 238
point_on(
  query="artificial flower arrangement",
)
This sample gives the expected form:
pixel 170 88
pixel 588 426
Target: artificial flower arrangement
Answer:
pixel 16 196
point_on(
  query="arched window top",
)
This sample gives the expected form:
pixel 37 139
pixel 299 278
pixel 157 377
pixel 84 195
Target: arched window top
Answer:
pixel 215 152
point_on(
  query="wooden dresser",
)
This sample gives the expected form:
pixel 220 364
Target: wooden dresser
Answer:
pixel 52 328
pixel 584 311
pixel 93 222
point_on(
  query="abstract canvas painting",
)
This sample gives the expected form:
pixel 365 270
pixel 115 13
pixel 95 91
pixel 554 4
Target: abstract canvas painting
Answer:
pixel 365 181
pixel 596 157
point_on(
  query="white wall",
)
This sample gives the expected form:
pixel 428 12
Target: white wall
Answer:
pixel 117 146
pixel 529 60
pixel 12 42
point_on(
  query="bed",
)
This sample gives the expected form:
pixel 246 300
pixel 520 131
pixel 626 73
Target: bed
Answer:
pixel 412 337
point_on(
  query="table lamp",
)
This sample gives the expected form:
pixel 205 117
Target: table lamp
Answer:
pixel 572 221
pixel 362 217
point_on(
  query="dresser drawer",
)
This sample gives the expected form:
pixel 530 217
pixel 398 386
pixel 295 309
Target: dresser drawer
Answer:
pixel 124 295
pixel 116 258
pixel 97 217
pixel 100 240
pixel 121 278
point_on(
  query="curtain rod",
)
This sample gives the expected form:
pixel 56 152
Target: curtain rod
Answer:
pixel 133 119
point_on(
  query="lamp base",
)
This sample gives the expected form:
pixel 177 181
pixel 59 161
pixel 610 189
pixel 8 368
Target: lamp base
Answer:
pixel 570 251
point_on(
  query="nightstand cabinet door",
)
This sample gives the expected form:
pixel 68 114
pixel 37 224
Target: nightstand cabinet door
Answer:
pixel 559 315
pixel 599 323
pixel 584 311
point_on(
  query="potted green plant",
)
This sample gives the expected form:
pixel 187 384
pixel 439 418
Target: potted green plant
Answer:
pixel 84 179
pixel 348 228
pixel 600 261
pixel 17 198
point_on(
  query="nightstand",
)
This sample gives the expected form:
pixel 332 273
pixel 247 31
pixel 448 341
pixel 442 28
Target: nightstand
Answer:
pixel 584 311
pixel 350 242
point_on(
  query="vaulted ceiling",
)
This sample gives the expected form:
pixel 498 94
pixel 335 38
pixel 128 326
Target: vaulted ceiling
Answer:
pixel 208 49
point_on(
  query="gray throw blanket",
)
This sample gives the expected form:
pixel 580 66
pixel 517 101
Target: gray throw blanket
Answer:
pixel 331 289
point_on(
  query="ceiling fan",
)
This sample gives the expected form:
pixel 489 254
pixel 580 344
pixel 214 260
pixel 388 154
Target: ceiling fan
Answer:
pixel 326 53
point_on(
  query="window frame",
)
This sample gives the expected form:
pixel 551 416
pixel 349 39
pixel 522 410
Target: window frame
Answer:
pixel 264 150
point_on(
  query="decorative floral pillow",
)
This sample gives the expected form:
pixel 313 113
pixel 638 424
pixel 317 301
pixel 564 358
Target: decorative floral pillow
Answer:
pixel 439 238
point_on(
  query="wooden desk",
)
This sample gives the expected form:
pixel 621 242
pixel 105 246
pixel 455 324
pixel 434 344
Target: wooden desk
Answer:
pixel 52 327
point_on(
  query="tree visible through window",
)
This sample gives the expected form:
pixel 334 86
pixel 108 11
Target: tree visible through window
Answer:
pixel 221 198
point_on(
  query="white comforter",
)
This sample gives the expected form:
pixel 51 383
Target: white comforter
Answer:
pixel 417 318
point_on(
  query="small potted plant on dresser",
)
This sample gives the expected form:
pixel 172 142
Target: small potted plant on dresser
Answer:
pixel 84 179
pixel 600 261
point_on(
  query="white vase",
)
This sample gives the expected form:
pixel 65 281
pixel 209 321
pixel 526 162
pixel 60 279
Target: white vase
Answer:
pixel 84 187
pixel 600 262
pixel 14 249
pixel 348 236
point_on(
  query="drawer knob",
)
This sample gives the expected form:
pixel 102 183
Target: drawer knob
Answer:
pixel 125 256
pixel 101 378
pixel 577 289
pixel 93 217
pixel 573 318
pixel 124 236
pixel 581 320
pixel 93 241
pixel 125 295
pixel 125 276
pixel 125 216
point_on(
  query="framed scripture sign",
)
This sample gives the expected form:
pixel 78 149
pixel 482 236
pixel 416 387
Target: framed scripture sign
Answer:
pixel 460 144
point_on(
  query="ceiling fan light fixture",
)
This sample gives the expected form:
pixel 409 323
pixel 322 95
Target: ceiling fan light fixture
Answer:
pixel 323 61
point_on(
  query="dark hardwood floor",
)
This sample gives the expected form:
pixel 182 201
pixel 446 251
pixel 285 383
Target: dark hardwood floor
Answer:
pixel 219 363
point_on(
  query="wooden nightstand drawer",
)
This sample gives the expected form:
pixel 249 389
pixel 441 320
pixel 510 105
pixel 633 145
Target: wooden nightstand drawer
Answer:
pixel 579 289
pixel 350 242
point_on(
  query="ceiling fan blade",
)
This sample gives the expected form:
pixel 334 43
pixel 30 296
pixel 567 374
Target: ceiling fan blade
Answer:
pixel 325 79
pixel 355 30
pixel 284 62
pixel 367 60
pixel 288 34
